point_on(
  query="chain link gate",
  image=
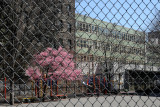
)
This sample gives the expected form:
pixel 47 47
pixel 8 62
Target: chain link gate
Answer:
pixel 80 53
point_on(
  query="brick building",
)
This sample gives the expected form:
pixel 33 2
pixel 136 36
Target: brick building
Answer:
pixel 65 23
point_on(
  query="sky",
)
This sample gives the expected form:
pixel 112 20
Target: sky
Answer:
pixel 136 14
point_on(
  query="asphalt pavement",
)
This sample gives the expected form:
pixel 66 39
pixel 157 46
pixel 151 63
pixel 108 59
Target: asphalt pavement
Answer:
pixel 102 101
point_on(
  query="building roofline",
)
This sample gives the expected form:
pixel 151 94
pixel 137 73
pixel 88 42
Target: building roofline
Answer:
pixel 107 23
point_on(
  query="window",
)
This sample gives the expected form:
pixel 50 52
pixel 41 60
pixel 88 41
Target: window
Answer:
pixel 131 50
pixel 81 43
pixel 120 35
pixel 116 48
pixel 100 30
pixel 129 37
pixel 127 50
pixel 85 58
pixel 78 42
pixel 85 43
pixel 69 27
pixel 79 58
pixel 114 34
pixel 98 58
pixel 61 25
pixel 70 43
pixel 61 41
pixel 69 8
pixel 82 58
pixel 105 32
pixel 121 49
pixel 109 33
pixel 102 46
pixel 134 51
pixel 86 27
pixel 126 37
pixel 95 29
pixel 107 46
pixel 134 38
pixel 138 51
pixel 89 27
pixel 60 6
pixel 123 36
pixel 92 28
pixel 90 43
pixel 80 27
pixel 91 58
pixel 113 47
pixel 142 52
pixel 99 45
pixel 95 45
pixel 69 0
pixel 154 41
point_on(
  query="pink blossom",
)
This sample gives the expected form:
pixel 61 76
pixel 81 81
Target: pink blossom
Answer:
pixel 63 53
pixel 49 49
pixel 44 54
pixel 33 73
pixel 60 49
pixel 54 52
pixel 59 62
pixel 59 59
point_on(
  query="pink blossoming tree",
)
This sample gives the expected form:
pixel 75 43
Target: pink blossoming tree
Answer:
pixel 56 64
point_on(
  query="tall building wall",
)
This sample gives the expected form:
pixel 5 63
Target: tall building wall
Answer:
pixel 65 14
pixel 153 48
pixel 108 41
pixel 154 37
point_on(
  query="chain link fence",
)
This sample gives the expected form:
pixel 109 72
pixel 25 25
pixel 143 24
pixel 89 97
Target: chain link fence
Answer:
pixel 80 53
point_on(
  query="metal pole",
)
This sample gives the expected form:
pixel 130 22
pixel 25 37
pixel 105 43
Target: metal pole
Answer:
pixel 51 88
pixel 119 81
pixel 12 90
pixel 36 88
pixel 5 88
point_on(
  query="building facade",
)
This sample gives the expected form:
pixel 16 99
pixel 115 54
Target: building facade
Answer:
pixel 153 48
pixel 103 45
pixel 154 37
pixel 97 40
pixel 65 23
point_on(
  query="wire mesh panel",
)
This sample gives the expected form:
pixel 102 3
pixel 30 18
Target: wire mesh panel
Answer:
pixel 80 53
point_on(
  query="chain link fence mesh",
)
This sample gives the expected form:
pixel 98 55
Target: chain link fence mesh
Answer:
pixel 80 53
